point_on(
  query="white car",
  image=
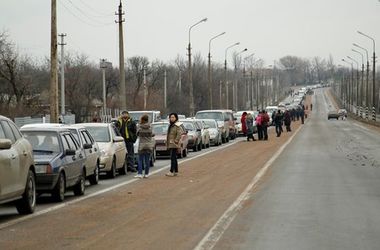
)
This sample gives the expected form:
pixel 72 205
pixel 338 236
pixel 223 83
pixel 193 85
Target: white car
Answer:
pixel 215 132
pixel 112 148
pixel 91 151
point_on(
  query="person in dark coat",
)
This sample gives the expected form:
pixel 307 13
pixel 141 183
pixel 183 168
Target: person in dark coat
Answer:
pixel 243 123
pixel 298 112
pixel 278 122
pixel 287 121
pixel 128 131
pixel 293 114
pixel 302 115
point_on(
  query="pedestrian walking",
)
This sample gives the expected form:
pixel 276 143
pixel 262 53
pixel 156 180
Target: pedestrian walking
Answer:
pixel 311 106
pixel 172 143
pixel 265 123
pixel 287 121
pixel 243 123
pixel 278 122
pixel 259 126
pixel 249 122
pixel 146 145
pixel 298 112
pixel 128 131
pixel 293 114
pixel 302 115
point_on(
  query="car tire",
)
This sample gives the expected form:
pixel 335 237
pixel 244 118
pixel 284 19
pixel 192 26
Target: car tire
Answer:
pixel 227 139
pixel 200 146
pixel 80 187
pixel 185 153
pixel 27 203
pixel 112 173
pixel 59 190
pixel 94 178
pixel 123 169
pixel 195 148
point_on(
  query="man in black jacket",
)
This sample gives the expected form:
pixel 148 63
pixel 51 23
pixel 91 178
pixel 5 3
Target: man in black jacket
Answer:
pixel 128 131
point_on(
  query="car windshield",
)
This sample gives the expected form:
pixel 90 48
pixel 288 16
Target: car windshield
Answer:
pixel 160 129
pixel 100 134
pixel 210 124
pixel 189 126
pixel 137 115
pixel 43 142
pixel 210 115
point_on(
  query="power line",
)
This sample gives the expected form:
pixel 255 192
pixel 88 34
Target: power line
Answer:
pixel 86 15
pixel 99 14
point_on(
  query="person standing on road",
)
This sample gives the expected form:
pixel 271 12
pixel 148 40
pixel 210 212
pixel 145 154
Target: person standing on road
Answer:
pixel 127 128
pixel 243 123
pixel 146 145
pixel 311 107
pixel 278 122
pixel 265 123
pixel 172 143
pixel 259 126
pixel 302 115
pixel 298 112
pixel 249 121
pixel 293 114
pixel 287 121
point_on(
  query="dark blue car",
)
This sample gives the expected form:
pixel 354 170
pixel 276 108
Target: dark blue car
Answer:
pixel 59 161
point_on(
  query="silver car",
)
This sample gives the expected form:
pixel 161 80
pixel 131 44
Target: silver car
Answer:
pixel 17 172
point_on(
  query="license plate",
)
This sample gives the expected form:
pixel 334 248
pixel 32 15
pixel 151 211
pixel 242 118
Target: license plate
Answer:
pixel 161 148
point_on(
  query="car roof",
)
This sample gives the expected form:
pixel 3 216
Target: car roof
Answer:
pixel 95 124
pixel 45 129
pixel 5 118
pixel 215 110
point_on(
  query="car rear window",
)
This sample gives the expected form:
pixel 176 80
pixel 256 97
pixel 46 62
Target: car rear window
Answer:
pixel 218 116
pixel 100 134
pixel 43 142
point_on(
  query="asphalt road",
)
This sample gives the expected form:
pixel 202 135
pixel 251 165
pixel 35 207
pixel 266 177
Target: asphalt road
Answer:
pixel 322 192
pixel 8 212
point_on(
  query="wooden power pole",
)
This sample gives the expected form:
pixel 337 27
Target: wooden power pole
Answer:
pixel 122 96
pixel 53 65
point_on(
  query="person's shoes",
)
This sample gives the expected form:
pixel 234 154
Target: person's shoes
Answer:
pixel 175 174
pixel 139 176
pixel 146 175
pixel 170 174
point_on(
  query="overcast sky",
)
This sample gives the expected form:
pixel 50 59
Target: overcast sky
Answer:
pixel 158 29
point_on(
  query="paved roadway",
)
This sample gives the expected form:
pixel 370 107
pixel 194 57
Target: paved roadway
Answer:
pixel 322 192
pixel 44 203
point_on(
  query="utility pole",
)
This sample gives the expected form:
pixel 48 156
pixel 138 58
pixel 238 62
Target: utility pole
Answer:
pixel 122 96
pixel 145 89
pixel 220 94
pixel 165 90
pixel 62 44
pixel 104 65
pixel 53 65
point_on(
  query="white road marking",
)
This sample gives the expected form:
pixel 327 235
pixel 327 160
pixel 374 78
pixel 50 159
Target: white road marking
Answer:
pixel 64 204
pixel 215 233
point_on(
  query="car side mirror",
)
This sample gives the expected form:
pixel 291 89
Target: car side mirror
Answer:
pixel 70 152
pixel 199 130
pixel 5 144
pixel 118 139
pixel 87 146
pixel 235 119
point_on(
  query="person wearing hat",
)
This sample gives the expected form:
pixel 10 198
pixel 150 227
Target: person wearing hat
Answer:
pixel 128 131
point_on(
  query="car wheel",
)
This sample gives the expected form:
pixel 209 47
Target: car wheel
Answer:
pixel 112 173
pixel 58 193
pixel 185 153
pixel 123 169
pixel 200 146
pixel 80 187
pixel 195 148
pixel 94 178
pixel 27 203
pixel 227 139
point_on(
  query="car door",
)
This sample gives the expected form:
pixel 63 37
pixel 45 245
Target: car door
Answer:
pixel 10 164
pixel 91 155
pixel 120 150
pixel 72 163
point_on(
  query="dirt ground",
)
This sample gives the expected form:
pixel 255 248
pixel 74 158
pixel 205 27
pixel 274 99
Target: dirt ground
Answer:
pixel 158 213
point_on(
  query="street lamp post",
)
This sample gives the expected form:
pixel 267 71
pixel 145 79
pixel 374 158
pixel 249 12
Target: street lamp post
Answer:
pixel 192 109
pixel 360 101
pixel 350 85
pixel 225 70
pixel 365 89
pixel 234 86
pixel 249 98
pixel 373 70
pixel 357 83
pixel 104 65
pixel 209 68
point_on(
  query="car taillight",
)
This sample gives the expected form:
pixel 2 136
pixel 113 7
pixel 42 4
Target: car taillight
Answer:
pixel 49 169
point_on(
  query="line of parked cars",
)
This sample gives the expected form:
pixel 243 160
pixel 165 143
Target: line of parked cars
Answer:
pixel 54 158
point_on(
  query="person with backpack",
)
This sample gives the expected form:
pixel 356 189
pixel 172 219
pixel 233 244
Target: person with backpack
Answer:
pixel 146 146
pixel 259 126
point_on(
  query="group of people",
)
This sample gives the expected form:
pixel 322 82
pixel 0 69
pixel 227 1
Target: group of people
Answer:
pixel 262 122
pixel 131 132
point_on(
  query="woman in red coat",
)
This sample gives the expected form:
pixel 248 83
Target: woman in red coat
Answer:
pixel 243 121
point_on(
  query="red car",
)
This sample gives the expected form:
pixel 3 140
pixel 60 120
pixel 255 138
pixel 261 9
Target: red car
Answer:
pixel 160 130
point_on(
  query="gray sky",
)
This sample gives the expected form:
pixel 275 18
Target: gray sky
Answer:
pixel 158 29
